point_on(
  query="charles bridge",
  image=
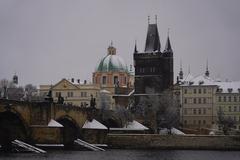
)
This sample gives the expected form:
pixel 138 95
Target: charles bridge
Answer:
pixel 28 121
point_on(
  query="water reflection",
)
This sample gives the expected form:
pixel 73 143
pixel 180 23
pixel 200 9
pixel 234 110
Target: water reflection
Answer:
pixel 126 155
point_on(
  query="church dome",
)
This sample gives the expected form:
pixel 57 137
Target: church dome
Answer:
pixel 111 62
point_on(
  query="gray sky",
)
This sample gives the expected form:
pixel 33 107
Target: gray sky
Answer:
pixel 44 41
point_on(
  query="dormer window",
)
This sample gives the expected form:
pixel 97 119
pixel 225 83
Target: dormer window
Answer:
pixel 229 90
pixel 219 90
pixel 238 90
pixel 190 83
pixel 201 82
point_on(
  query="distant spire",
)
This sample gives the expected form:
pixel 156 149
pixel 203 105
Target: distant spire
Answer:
pixel 207 71
pixel 156 19
pixel 181 71
pixel 188 69
pixel 148 19
pixel 111 44
pixel 135 48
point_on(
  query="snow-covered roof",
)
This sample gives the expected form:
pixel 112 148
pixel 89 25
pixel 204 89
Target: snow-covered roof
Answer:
pixel 134 125
pixel 229 87
pixel 94 124
pixel 198 80
pixel 104 91
pixel 54 123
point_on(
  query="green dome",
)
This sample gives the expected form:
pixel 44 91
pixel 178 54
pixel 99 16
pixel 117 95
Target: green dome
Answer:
pixel 112 63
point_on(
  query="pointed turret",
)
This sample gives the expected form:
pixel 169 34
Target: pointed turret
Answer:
pixel 168 47
pixel 135 48
pixel 207 73
pixel 181 71
pixel 152 41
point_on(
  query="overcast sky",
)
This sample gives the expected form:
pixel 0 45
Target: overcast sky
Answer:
pixel 44 41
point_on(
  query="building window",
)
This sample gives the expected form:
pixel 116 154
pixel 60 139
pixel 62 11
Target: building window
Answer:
pixel 83 94
pixel 194 100
pixel 199 91
pixel 204 100
pixel 224 99
pixel 235 109
pixel 204 122
pixel 199 111
pixel 204 91
pixel 194 91
pixel 219 98
pixel 185 121
pixel 235 99
pixel 115 79
pixel 199 100
pixel 229 109
pixel 204 110
pixel 185 100
pixel 185 111
pixel 70 94
pixel 58 94
pixel 220 108
pixel 185 91
pixel 229 99
pixel 104 80
pixel 194 111
pixel 199 121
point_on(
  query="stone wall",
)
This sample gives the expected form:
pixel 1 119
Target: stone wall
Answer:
pixel 46 135
pixel 150 141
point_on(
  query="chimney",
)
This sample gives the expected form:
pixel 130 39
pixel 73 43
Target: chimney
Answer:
pixel 72 80
pixel 78 81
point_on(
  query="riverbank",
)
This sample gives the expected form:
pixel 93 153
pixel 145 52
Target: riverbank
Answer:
pixel 154 141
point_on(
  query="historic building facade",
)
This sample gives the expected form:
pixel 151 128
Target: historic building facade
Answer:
pixel 204 100
pixel 78 94
pixel 153 67
pixel 198 103
pixel 228 102
pixel 112 72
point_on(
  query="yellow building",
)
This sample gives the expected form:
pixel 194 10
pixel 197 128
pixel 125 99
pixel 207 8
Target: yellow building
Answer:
pixel 228 101
pixel 198 110
pixel 73 93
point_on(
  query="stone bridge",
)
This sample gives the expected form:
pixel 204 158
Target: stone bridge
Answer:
pixel 28 121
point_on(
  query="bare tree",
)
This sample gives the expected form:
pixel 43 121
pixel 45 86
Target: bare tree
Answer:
pixel 30 91
pixel 160 111
pixel 123 115
pixel 225 122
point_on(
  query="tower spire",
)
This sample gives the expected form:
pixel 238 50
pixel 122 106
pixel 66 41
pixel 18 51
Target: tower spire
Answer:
pixel 181 71
pixel 135 48
pixel 152 41
pixel 188 69
pixel 168 47
pixel 156 19
pixel 207 71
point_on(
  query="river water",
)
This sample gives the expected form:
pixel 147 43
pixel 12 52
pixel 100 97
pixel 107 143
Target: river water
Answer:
pixel 126 155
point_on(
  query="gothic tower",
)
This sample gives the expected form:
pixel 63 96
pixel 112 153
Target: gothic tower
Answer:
pixel 153 68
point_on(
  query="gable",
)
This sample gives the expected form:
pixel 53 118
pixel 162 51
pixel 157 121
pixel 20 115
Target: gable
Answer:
pixel 64 84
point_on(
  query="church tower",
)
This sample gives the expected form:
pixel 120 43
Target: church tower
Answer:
pixel 153 68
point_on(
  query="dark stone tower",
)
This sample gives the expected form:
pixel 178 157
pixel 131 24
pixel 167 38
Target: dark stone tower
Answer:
pixel 153 68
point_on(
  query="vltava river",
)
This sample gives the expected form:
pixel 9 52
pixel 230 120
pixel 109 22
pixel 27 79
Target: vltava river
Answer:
pixel 126 155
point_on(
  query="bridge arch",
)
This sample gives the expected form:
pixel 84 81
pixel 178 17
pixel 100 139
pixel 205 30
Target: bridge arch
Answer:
pixel 71 130
pixel 12 126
